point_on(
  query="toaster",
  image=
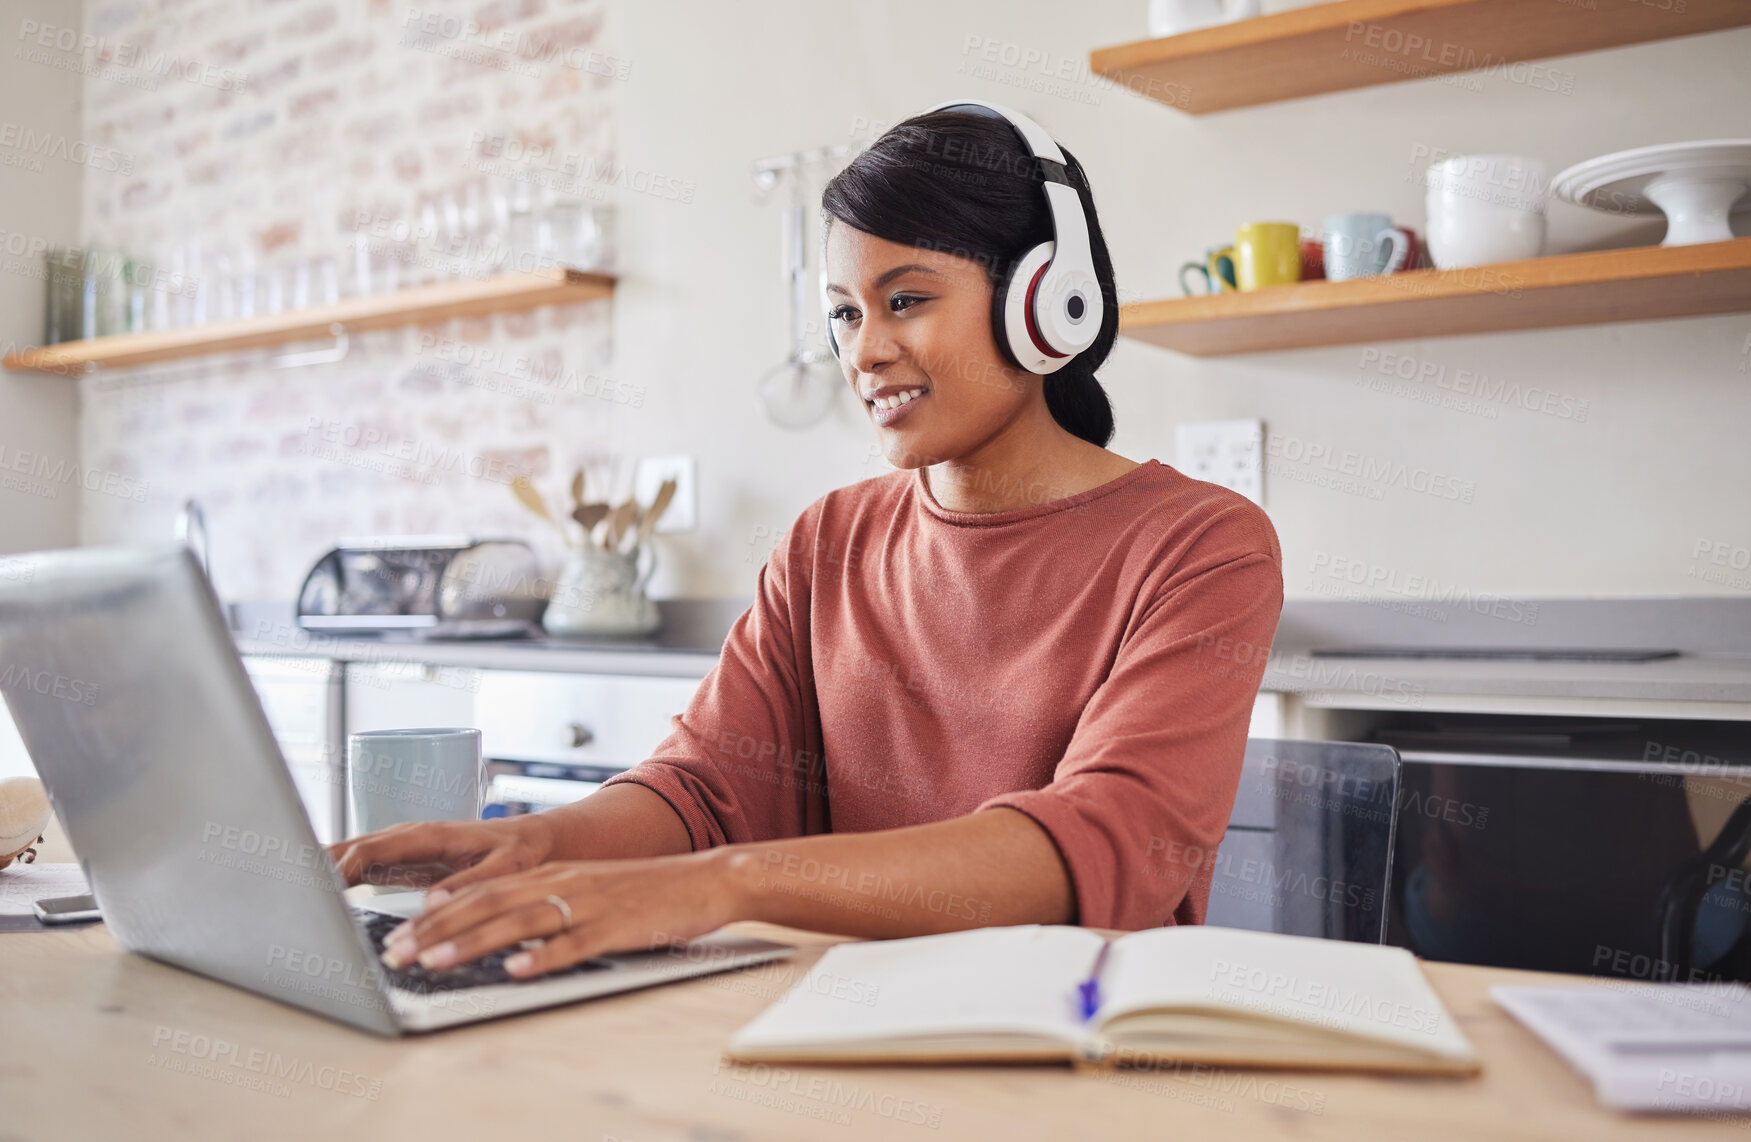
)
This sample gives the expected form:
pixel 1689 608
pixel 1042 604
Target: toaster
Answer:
pixel 428 586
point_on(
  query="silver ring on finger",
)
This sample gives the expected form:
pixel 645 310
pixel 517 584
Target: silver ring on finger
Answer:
pixel 565 910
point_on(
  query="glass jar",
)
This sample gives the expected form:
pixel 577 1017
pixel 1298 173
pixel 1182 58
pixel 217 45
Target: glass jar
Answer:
pixel 138 277
pixel 58 300
pixel 111 293
pixel 596 245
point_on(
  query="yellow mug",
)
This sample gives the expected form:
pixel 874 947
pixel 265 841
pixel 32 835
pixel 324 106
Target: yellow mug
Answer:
pixel 1267 254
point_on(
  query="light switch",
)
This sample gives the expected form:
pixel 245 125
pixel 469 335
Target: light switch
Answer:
pixel 1226 452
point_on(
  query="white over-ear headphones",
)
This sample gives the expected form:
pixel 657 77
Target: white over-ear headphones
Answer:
pixel 1049 307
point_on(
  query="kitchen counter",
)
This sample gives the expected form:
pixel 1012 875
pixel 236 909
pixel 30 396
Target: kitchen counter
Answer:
pixel 1392 682
pixel 1712 636
pixel 686 645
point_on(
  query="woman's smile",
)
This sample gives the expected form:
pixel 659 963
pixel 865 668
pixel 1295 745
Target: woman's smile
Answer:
pixel 889 405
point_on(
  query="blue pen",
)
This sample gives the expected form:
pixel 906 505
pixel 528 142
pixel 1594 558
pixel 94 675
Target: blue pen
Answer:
pixel 1090 987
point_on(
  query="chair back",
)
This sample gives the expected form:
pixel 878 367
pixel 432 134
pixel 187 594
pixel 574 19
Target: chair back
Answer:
pixel 1308 850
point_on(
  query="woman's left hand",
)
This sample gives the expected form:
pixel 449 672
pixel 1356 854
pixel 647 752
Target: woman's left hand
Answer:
pixel 618 905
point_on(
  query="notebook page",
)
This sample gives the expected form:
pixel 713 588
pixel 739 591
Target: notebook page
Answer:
pixel 1014 980
pixel 1359 989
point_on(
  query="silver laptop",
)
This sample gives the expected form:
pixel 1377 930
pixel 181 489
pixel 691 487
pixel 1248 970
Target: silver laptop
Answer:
pixel 120 672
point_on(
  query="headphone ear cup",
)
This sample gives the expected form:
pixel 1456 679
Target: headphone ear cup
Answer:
pixel 1015 313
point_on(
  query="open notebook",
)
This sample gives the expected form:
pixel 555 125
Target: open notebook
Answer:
pixel 1192 994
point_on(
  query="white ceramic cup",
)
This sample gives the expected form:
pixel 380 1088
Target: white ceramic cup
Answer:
pixel 1359 245
pixel 1172 17
pixel 1484 209
pixel 398 776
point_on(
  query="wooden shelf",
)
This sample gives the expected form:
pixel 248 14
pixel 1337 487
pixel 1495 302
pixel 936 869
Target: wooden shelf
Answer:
pixel 440 301
pixel 1359 43
pixel 1638 284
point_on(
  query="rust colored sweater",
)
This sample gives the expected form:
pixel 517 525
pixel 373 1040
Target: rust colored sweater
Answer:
pixel 1090 661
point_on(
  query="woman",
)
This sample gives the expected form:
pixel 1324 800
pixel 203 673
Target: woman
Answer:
pixel 1009 683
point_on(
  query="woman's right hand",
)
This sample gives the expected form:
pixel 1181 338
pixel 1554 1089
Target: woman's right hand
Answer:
pixel 444 855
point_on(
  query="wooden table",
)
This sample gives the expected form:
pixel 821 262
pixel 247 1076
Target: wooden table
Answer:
pixel 101 1044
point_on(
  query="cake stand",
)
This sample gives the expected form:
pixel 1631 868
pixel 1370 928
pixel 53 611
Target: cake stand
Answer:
pixel 1695 185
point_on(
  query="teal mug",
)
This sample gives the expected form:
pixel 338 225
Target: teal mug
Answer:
pixel 1217 269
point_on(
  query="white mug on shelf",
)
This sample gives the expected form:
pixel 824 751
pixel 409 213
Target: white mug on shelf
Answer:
pixel 1359 245
pixel 1171 17
pixel 1484 209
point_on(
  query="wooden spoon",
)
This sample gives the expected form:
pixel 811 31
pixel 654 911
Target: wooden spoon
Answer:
pixel 588 516
pixel 618 519
pixel 599 511
pixel 648 524
pixel 632 522
pixel 531 499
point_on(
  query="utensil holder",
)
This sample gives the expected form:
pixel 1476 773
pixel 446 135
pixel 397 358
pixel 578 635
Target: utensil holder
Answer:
pixel 602 593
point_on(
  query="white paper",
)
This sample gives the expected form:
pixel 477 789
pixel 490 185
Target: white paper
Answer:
pixel 1646 1046
pixel 1358 989
pixel 22 885
pixel 1018 980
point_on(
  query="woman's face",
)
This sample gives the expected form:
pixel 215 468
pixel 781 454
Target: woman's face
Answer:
pixel 910 320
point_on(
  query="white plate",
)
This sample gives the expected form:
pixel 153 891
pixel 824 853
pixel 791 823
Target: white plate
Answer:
pixel 1695 185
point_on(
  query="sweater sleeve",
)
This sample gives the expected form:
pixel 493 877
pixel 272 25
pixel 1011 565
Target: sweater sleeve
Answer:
pixel 743 762
pixel 1139 802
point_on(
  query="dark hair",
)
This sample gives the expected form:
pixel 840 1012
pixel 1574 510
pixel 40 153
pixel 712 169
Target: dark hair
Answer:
pixel 963 183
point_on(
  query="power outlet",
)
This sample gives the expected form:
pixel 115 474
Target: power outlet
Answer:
pixel 649 476
pixel 1226 452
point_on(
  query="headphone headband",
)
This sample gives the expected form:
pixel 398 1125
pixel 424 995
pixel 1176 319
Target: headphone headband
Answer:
pixel 1040 143
pixel 1049 308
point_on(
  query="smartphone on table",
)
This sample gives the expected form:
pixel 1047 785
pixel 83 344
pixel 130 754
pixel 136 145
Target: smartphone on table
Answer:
pixel 67 909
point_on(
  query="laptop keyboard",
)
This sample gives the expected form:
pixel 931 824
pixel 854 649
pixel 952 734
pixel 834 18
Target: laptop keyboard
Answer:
pixel 488 969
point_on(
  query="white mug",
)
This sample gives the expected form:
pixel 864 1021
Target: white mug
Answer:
pixel 1171 17
pixel 1359 245
pixel 400 776
pixel 1484 209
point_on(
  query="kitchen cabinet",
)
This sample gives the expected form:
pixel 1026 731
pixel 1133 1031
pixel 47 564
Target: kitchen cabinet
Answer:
pixel 409 695
pixel 557 716
pixel 605 721
pixel 551 739
pixel 548 738
pixel 302 700
pixel 399 695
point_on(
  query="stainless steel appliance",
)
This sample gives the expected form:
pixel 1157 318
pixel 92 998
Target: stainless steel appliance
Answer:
pixel 433 586
pixel 1611 847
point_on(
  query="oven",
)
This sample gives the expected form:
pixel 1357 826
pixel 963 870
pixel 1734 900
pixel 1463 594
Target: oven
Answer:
pixel 1590 846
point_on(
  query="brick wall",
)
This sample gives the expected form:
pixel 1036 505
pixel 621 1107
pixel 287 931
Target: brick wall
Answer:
pixel 272 129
